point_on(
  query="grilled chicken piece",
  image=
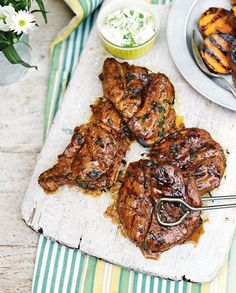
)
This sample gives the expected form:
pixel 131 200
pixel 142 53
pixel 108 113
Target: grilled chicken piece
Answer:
pixel 93 157
pixel 197 155
pixel 143 99
pixel 144 184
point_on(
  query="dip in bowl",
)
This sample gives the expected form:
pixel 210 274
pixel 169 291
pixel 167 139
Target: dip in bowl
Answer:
pixel 128 29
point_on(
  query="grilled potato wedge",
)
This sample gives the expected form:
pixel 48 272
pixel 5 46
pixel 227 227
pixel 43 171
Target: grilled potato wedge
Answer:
pixel 215 52
pixel 233 61
pixel 216 20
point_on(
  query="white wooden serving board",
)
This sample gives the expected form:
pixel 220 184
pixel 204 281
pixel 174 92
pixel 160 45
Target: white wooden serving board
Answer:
pixel 77 220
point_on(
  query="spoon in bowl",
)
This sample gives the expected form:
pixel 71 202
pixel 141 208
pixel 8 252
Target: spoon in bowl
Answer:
pixel 203 67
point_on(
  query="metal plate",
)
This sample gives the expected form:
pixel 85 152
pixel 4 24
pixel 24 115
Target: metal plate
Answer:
pixel 182 20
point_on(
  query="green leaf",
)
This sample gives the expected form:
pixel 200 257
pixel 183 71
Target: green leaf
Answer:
pixel 3 36
pixel 42 8
pixel 4 44
pixel 4 41
pixel 14 58
pixel 21 6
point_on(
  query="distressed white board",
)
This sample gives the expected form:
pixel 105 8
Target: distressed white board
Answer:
pixel 77 220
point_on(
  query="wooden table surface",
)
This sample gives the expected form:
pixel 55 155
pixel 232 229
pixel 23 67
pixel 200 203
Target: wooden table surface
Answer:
pixel 21 132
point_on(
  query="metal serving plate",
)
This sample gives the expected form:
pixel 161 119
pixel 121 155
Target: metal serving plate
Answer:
pixel 183 18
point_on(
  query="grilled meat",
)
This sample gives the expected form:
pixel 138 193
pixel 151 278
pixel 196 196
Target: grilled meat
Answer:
pixel 93 157
pixel 144 184
pixel 197 155
pixel 143 99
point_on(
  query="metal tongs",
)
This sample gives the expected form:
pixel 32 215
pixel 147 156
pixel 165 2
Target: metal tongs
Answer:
pixel 189 208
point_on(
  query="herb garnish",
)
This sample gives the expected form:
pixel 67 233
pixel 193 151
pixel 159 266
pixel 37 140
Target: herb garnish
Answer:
pixel 110 121
pixel 160 108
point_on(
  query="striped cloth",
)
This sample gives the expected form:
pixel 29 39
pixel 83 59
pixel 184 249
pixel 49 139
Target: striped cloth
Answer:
pixel 60 269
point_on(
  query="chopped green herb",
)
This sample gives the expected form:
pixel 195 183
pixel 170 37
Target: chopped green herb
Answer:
pixel 145 246
pixel 174 149
pixel 194 152
pixel 110 121
pixel 129 37
pixel 160 108
pixel 131 12
pixel 165 101
pixel 141 15
pixel 160 122
pixel 161 132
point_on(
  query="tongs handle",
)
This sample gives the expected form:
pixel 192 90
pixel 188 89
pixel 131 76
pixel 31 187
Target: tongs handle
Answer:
pixel 190 208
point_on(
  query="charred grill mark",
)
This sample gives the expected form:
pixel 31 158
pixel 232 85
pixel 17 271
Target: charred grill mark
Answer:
pixel 207 50
pixel 101 76
pixel 217 16
pixel 193 152
pixel 233 54
pixel 228 38
pixel 129 77
pixel 146 116
pixel 218 45
pixel 95 174
pixel 142 141
pixel 135 91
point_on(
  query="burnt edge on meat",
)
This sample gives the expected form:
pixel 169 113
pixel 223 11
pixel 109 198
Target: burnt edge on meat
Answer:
pixel 93 157
pixel 196 154
pixel 144 183
pixel 143 99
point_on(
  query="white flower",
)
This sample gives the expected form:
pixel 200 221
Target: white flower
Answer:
pixel 22 21
pixel 6 13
